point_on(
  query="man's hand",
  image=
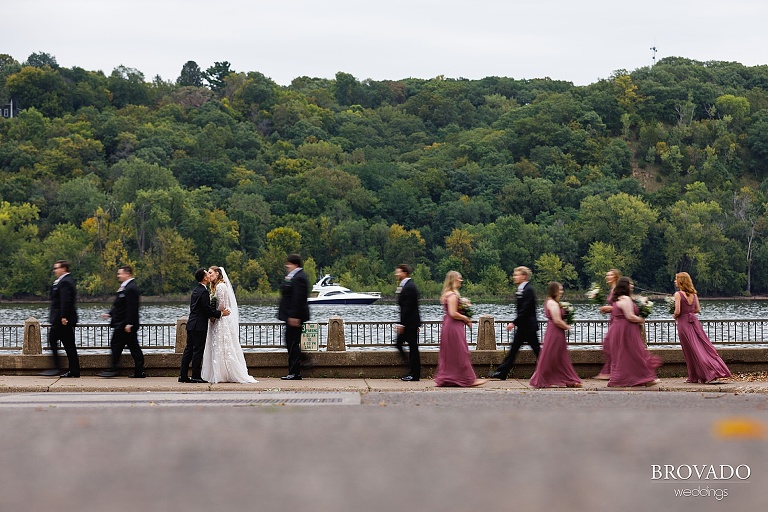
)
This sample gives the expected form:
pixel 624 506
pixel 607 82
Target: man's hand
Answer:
pixel 64 321
pixel 399 328
pixel 294 322
pixel 510 326
pixel 225 312
pixel 128 328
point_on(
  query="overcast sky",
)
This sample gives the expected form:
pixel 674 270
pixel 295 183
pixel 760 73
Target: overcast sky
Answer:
pixel 577 41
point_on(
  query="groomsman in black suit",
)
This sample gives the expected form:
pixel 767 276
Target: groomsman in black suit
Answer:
pixel 125 322
pixel 294 311
pixel 526 323
pixel 63 318
pixel 410 321
pixel 200 310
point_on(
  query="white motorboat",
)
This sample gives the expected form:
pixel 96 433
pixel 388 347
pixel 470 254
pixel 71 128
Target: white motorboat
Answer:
pixel 329 292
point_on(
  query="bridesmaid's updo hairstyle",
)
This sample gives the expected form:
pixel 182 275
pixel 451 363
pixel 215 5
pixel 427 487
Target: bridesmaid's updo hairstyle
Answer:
pixel 684 283
pixel 553 288
pixel 622 287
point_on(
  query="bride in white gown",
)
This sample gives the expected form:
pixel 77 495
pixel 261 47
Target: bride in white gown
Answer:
pixel 223 359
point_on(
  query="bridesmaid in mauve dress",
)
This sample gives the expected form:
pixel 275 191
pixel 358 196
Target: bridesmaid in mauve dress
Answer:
pixel 631 363
pixel 611 277
pixel 554 367
pixel 704 364
pixel 454 366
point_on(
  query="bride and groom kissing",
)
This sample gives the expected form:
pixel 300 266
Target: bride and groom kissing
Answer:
pixel 213 332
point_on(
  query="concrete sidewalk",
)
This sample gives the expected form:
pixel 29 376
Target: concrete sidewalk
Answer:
pixel 27 384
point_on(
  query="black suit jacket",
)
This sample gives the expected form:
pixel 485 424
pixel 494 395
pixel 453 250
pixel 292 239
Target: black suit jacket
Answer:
pixel 63 302
pixel 200 309
pixel 293 299
pixel 526 321
pixel 408 300
pixel 125 310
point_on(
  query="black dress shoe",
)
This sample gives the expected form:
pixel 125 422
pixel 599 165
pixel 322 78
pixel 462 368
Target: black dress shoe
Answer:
pixel 497 375
pixel 108 373
pixel 409 378
pixel 70 375
pixel 141 375
pixel 185 379
pixel 50 373
pixel 198 381
pixel 291 376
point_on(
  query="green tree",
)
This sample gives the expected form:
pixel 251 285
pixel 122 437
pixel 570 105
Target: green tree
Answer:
pixel 191 75
pixel 549 267
pixel 620 220
pixel 694 238
pixel 215 75
pixel 169 263
pixel 404 246
pixel 600 258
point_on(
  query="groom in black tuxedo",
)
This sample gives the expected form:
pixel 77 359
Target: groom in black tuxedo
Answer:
pixel 525 322
pixel 410 321
pixel 200 310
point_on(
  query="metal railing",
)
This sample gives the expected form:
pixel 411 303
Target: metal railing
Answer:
pixel 370 334
pixel 11 337
pixel 270 335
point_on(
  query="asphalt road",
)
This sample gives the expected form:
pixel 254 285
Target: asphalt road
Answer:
pixel 460 450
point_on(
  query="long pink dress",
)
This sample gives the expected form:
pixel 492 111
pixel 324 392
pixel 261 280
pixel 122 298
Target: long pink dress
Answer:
pixel 454 366
pixel 606 370
pixel 631 363
pixel 554 366
pixel 704 364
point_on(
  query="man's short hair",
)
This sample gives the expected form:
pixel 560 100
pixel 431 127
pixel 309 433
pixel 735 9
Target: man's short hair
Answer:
pixel 200 275
pixel 294 259
pixel 406 268
pixel 526 271
pixel 63 264
pixel 126 268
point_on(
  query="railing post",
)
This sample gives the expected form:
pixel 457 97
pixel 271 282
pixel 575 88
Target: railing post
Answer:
pixel 33 343
pixel 181 334
pixel 486 333
pixel 336 342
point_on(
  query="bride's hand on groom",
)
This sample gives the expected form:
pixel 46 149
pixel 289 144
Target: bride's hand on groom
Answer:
pixel 225 312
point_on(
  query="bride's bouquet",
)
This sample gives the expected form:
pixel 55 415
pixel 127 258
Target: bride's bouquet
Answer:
pixel 595 294
pixel 214 302
pixel 569 312
pixel 465 307
pixel 645 305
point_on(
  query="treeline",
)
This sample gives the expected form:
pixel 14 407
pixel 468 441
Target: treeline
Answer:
pixel 654 171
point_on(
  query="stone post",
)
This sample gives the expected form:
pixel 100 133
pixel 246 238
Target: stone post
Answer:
pixel 336 342
pixel 181 334
pixel 486 333
pixel 33 343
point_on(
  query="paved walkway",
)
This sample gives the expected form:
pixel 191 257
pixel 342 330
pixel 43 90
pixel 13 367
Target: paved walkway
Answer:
pixel 25 384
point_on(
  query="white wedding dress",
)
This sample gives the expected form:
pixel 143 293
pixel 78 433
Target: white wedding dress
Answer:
pixel 223 359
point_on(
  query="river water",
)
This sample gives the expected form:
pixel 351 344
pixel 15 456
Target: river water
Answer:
pixel 159 313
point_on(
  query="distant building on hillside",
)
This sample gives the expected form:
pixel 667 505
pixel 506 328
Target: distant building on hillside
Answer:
pixel 9 110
